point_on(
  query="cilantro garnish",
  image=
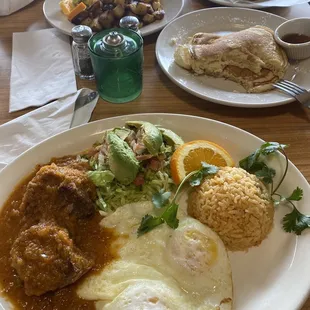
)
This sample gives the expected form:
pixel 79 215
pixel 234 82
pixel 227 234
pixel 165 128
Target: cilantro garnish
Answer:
pixel 254 163
pixel 296 195
pixel 295 221
pixel 161 200
pixel 148 223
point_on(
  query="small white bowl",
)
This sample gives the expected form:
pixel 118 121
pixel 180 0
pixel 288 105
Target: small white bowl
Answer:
pixel 294 26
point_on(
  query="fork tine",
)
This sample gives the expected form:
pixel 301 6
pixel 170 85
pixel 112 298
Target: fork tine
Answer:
pixel 295 85
pixel 291 88
pixel 277 85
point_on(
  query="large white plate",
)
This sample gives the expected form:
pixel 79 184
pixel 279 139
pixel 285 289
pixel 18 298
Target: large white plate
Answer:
pixel 223 21
pixel 58 20
pixel 274 275
pixel 259 4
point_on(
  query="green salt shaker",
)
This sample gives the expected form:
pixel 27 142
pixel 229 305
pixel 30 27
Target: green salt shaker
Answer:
pixel 117 59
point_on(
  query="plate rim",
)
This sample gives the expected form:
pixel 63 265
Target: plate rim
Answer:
pixel 254 5
pixel 94 124
pixel 215 100
pixel 143 34
pixel 120 117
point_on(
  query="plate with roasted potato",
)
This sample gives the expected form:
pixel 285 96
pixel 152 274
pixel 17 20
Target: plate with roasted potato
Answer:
pixel 153 15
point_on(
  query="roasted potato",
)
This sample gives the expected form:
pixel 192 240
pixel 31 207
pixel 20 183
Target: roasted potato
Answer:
pixel 87 22
pixel 121 2
pixel 156 5
pixel 159 14
pixel 150 9
pixel 107 13
pixel 139 8
pixel 129 13
pixel 148 18
pixel 77 20
pixel 106 19
pixel 119 11
pixel 95 9
pixel 108 7
pixel 95 25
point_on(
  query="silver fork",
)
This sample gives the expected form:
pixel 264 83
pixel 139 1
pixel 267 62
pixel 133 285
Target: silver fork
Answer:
pixel 294 90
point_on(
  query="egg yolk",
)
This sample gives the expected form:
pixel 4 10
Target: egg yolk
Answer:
pixel 203 244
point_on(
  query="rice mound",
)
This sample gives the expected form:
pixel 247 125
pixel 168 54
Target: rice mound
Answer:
pixel 236 205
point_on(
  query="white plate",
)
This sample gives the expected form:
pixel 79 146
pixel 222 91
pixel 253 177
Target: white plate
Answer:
pixel 223 21
pixel 58 20
pixel 259 4
pixel 274 275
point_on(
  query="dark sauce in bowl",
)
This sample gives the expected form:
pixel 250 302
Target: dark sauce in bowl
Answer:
pixel 295 38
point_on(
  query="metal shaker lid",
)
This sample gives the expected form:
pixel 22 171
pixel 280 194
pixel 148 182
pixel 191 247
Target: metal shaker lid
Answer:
pixel 115 43
pixel 81 33
pixel 113 39
pixel 130 22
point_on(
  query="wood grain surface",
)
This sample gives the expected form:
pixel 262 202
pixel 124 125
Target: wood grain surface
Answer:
pixel 286 124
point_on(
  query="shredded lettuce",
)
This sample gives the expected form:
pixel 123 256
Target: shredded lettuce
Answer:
pixel 111 193
pixel 100 203
pixel 101 178
pixel 115 195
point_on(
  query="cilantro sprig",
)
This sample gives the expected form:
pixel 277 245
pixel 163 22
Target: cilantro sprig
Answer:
pixel 255 164
pixel 295 221
pixel 161 200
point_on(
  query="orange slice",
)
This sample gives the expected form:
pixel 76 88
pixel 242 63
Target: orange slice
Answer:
pixel 77 10
pixel 65 7
pixel 188 157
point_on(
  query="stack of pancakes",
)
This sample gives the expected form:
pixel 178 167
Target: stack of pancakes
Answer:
pixel 250 57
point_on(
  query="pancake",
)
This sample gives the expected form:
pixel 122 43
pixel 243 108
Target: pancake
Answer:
pixel 250 57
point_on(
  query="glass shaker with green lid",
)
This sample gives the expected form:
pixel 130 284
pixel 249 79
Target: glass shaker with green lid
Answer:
pixel 117 59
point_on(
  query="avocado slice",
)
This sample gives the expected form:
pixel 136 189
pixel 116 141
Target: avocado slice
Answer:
pixel 152 138
pixel 123 133
pixel 151 135
pixel 136 124
pixel 122 160
pixel 171 138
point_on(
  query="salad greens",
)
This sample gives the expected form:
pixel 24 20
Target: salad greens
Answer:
pixel 131 164
pixel 101 178
pixel 115 194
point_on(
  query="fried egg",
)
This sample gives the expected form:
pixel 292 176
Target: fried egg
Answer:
pixel 164 269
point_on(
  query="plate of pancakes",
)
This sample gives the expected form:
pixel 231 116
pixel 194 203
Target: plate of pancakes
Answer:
pixel 258 4
pixel 161 269
pixel 229 56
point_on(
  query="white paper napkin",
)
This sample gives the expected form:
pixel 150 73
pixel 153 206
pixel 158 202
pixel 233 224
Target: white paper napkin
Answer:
pixel 22 133
pixel 42 68
pixel 10 6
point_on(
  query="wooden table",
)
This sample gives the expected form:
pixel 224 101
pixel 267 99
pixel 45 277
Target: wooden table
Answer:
pixel 286 124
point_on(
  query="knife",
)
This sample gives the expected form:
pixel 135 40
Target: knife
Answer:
pixel 80 102
pixel 83 100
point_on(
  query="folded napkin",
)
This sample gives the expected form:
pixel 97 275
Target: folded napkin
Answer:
pixel 42 68
pixel 8 7
pixel 22 133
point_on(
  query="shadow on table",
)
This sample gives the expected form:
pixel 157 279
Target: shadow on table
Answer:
pixel 293 108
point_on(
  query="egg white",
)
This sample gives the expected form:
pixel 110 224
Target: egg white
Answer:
pixel 187 268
